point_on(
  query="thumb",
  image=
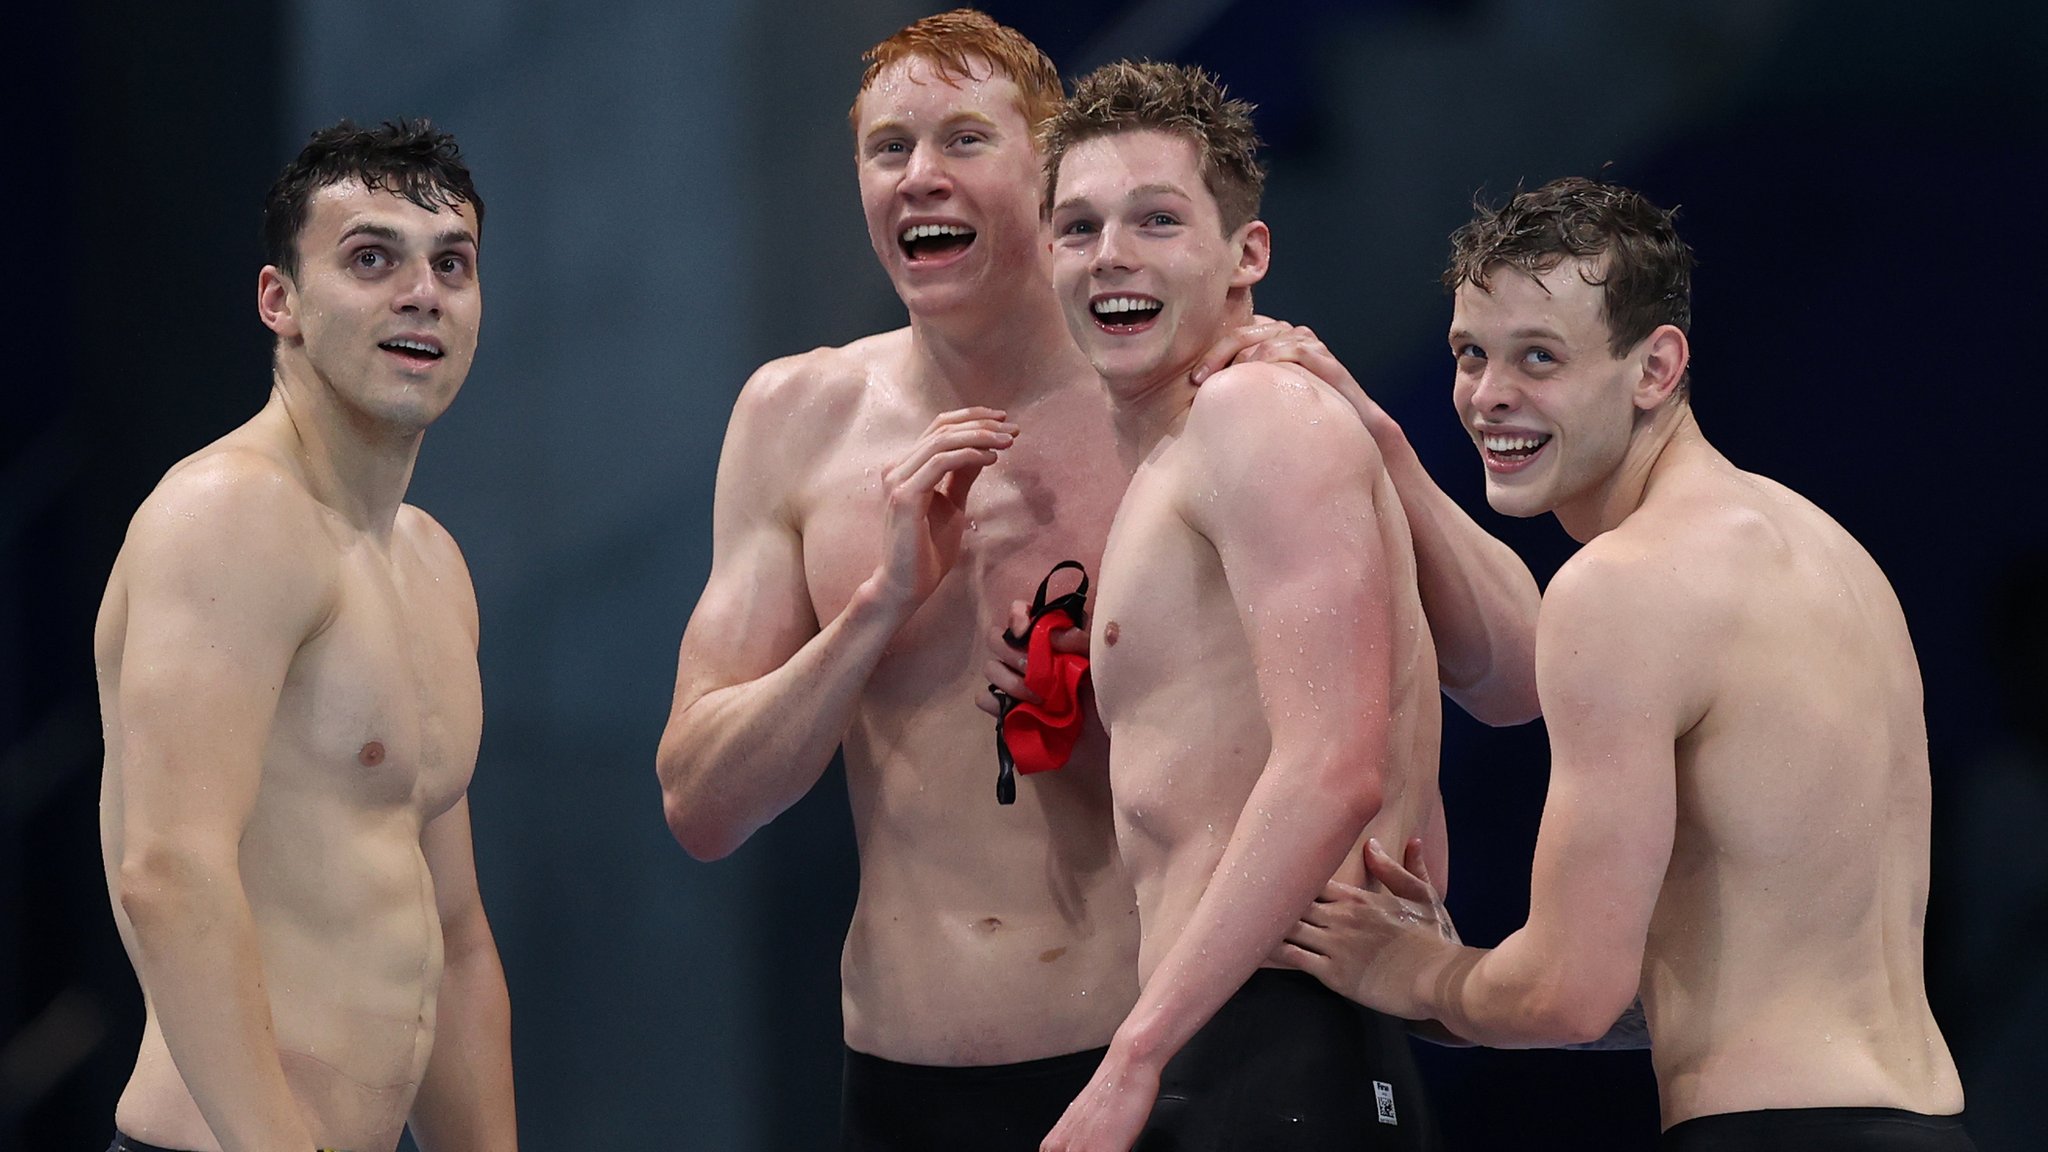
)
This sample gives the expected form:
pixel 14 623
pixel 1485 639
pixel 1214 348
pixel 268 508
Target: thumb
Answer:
pixel 1394 878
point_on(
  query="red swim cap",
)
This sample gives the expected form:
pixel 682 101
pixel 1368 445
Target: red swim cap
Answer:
pixel 1040 737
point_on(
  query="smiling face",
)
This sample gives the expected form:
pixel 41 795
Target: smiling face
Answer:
pixel 385 307
pixel 1549 405
pixel 1146 276
pixel 948 182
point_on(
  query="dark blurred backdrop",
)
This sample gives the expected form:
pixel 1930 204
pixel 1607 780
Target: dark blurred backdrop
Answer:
pixel 672 202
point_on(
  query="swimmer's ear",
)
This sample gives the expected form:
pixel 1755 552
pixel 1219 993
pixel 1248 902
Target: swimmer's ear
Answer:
pixel 277 302
pixel 1254 254
pixel 1665 354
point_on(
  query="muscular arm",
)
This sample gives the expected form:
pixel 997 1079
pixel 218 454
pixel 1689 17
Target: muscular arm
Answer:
pixel 763 694
pixel 465 1101
pixel 1616 703
pixel 220 594
pixel 1480 598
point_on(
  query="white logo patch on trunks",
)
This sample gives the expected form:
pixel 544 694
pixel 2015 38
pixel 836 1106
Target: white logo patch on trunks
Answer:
pixel 1383 1093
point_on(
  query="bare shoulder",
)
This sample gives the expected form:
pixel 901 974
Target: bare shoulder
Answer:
pixel 232 499
pixel 1282 416
pixel 440 555
pixel 805 391
pixel 231 530
pixel 1646 604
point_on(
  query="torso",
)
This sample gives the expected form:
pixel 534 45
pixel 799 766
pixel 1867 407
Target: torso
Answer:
pixel 983 934
pixel 1178 689
pixel 1783 965
pixel 375 733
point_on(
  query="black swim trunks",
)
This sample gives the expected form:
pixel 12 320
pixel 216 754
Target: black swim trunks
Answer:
pixel 126 1143
pixel 1288 1064
pixel 1819 1130
pixel 890 1107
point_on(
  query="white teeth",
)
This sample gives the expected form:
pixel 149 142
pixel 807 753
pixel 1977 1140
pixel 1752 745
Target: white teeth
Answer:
pixel 1498 443
pixel 413 346
pixel 1116 304
pixel 926 231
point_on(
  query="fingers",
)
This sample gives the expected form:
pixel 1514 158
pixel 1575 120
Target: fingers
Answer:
pixel 964 446
pixel 1233 345
pixel 1412 858
pixel 986 701
pixel 1019 622
pixel 1070 640
pixel 1288 954
pixel 1394 878
pixel 953 432
pixel 1010 679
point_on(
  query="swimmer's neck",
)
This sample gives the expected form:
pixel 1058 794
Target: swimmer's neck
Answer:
pixel 1001 353
pixel 350 462
pixel 1668 440
pixel 1144 412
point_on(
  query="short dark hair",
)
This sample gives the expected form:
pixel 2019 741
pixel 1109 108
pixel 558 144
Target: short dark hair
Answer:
pixel 1135 96
pixel 1647 278
pixel 409 158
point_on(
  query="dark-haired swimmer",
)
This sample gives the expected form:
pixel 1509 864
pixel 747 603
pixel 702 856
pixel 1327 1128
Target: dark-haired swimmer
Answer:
pixel 1738 813
pixel 288 683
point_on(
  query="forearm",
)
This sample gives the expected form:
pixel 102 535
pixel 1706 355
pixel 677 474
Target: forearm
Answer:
pixel 1519 995
pixel 1478 596
pixel 202 970
pixel 737 757
pixel 465 1101
pixel 1294 833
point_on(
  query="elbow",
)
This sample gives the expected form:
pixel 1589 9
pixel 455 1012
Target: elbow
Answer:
pixel 1354 795
pixel 704 838
pixel 697 826
pixel 1495 704
pixel 1572 1013
pixel 155 883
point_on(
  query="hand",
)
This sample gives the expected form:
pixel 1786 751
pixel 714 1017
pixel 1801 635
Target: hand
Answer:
pixel 926 500
pixel 1278 342
pixel 1111 1111
pixel 1372 945
pixel 1006 665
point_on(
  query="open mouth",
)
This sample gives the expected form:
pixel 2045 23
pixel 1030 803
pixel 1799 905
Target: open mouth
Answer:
pixel 1124 313
pixel 1510 450
pixel 413 350
pixel 925 242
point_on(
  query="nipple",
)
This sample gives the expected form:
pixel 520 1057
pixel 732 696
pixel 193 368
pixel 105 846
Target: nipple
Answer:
pixel 371 755
pixel 1110 632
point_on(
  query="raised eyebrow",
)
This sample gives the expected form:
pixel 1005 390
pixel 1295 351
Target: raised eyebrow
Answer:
pixel 1536 334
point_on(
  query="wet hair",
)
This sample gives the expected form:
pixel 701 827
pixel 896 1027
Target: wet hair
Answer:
pixel 961 45
pixel 1184 101
pixel 1628 246
pixel 409 158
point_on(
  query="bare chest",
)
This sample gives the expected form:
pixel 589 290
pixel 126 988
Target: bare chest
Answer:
pixel 384 707
pixel 1048 498
pixel 1164 616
